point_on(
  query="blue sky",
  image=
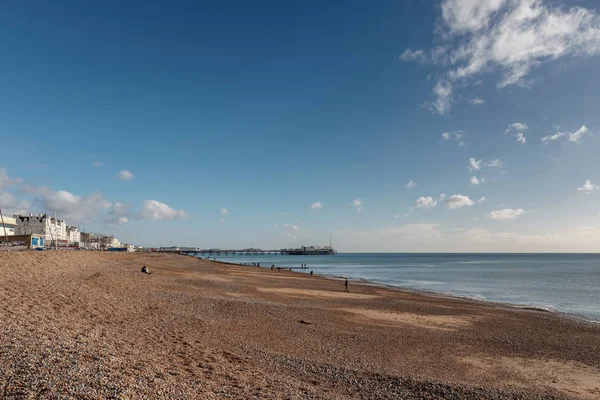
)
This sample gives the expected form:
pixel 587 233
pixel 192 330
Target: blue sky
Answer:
pixel 220 125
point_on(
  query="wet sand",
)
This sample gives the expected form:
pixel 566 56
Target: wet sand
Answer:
pixel 91 325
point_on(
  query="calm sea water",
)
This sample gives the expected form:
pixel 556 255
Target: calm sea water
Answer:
pixel 566 283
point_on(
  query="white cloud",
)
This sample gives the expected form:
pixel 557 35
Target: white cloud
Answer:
pixel 507 36
pixel 575 137
pixel 516 127
pixel 411 184
pixel 125 175
pixel 475 181
pixel 475 165
pixel 357 203
pixel 224 211
pixel 442 196
pixel 97 164
pixel 155 210
pixel 578 135
pixel 477 101
pixel 443 98
pixel 11 205
pixel 458 201
pixel 456 135
pixel 505 214
pixel 482 199
pixel 467 15
pixel 70 207
pixel 556 136
pixel 118 214
pixel 282 214
pixel 425 202
pixel 316 205
pixel 413 55
pixel 494 163
pixel 587 187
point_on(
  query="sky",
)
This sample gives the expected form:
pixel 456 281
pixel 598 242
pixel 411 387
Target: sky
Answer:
pixel 412 126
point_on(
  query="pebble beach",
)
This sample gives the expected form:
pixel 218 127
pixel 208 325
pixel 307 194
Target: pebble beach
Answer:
pixel 79 324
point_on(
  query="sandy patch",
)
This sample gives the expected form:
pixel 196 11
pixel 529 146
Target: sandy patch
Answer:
pixel 443 322
pixel 317 293
pixel 570 377
pixel 236 294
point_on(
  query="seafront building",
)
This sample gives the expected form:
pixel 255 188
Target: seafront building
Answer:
pixel 45 231
pixel 73 235
pixel 93 241
pixel 52 229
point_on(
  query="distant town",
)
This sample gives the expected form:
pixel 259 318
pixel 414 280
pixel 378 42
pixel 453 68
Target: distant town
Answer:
pixel 43 231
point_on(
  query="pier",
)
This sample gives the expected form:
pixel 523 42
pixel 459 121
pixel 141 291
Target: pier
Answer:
pixel 302 251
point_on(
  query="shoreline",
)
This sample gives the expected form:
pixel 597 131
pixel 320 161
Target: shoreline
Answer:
pixel 432 293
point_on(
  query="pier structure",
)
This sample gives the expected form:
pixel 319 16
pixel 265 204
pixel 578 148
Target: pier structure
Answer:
pixel 304 250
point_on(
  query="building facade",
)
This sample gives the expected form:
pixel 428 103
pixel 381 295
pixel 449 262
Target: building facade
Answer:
pixel 98 242
pixel 73 235
pixel 54 230
pixel 89 241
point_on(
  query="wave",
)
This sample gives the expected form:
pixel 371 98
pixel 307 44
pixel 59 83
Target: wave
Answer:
pixel 533 307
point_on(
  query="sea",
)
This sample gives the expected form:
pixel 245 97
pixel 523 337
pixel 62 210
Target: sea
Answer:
pixel 561 283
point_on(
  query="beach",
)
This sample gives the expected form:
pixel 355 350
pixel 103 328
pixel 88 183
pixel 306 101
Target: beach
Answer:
pixel 79 324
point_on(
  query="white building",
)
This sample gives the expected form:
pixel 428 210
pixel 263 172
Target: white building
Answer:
pixel 53 230
pixel 73 235
pixel 89 241
pixel 8 228
pixel 130 248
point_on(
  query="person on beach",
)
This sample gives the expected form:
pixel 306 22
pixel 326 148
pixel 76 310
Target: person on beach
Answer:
pixel 311 272
pixel 347 289
pixel 272 267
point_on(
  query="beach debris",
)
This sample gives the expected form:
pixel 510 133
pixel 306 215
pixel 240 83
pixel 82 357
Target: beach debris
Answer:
pixel 145 270
pixel 305 322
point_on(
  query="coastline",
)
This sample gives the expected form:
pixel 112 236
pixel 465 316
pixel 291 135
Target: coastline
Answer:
pixel 432 293
pixel 90 324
